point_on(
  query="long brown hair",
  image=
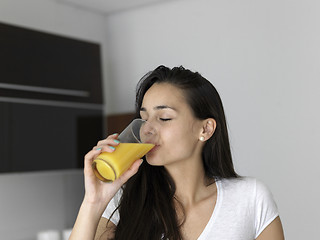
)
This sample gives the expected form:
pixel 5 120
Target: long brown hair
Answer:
pixel 147 207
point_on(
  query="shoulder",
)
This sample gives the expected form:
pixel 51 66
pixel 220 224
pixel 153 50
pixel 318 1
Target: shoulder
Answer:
pixel 246 189
pixel 241 184
pixel 250 198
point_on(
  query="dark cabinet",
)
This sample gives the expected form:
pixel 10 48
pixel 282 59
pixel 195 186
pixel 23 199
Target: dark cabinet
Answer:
pixel 49 66
pixel 36 137
pixel 50 100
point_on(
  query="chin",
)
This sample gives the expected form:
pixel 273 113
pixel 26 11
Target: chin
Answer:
pixel 153 161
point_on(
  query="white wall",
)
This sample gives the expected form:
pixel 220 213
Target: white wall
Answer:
pixel 41 201
pixel 263 57
pixel 37 201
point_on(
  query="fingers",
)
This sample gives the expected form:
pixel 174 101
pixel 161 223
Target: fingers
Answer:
pixel 106 145
pixel 88 158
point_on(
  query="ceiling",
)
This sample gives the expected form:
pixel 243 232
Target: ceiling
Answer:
pixel 111 6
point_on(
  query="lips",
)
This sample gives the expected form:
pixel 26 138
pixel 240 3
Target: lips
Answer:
pixel 156 146
pixel 150 142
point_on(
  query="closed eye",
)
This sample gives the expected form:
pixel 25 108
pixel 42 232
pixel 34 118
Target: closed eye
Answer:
pixel 165 119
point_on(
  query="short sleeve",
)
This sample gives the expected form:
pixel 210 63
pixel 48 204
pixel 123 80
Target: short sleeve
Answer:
pixel 265 208
pixel 110 212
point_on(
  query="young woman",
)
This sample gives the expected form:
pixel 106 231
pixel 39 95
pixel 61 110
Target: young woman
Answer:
pixel 186 187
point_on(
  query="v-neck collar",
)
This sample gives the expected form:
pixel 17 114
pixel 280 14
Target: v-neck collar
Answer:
pixel 215 212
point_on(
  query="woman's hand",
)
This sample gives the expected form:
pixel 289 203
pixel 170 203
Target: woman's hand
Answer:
pixel 97 191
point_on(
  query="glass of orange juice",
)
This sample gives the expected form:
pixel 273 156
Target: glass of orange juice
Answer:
pixel 109 166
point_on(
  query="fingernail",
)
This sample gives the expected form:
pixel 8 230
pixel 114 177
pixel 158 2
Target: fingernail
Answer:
pixel 112 148
pixel 115 134
pixel 98 149
pixel 116 141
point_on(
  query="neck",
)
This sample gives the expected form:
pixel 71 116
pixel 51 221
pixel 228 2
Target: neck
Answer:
pixel 191 183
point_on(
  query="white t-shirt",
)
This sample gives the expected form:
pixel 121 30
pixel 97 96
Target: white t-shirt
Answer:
pixel 244 208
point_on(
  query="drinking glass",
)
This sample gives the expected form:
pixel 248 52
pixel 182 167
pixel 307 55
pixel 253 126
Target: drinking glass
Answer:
pixel 109 166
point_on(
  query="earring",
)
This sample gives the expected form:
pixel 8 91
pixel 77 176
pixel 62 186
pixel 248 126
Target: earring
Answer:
pixel 201 138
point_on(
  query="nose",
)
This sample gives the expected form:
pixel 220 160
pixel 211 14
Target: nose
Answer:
pixel 148 129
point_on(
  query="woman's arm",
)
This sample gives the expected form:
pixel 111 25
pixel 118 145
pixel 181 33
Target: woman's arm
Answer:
pixel 273 231
pixel 97 193
pixel 87 221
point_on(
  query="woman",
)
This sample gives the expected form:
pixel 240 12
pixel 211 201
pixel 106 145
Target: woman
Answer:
pixel 187 187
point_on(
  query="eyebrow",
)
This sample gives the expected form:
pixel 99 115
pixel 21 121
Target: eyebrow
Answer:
pixel 160 107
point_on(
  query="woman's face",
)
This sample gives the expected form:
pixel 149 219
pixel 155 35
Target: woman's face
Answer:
pixel 173 128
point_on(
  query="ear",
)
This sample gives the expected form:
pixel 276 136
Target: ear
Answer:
pixel 208 127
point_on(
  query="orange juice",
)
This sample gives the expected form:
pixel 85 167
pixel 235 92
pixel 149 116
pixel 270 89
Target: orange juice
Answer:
pixel 109 166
